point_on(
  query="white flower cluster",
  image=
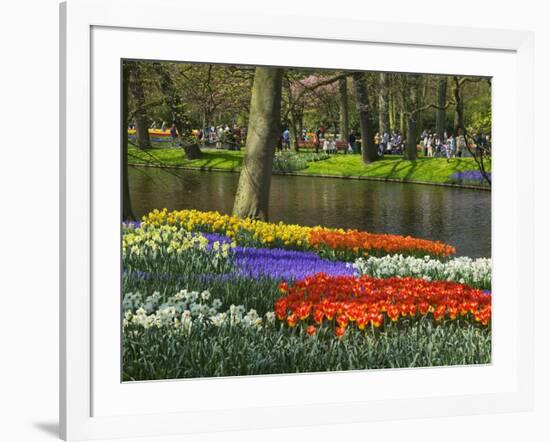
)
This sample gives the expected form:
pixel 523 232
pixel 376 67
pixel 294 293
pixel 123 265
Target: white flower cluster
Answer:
pixel 166 239
pixel 474 272
pixel 186 308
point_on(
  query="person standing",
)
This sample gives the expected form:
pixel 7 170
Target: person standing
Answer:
pixel 220 137
pixel 429 147
pixel 438 149
pixel 447 149
pixel 352 147
pixel 286 139
pixel 280 143
pixel 460 145
pixel 425 144
pixel 451 141
pixel 174 135
pixel 399 144
pixel 318 134
pixel 326 147
pixel 385 142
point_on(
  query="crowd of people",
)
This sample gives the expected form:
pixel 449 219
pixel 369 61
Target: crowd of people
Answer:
pixel 431 144
pixel 389 143
pixel 222 136
pixel 453 146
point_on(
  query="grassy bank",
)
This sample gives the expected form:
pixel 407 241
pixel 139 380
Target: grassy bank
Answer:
pixel 429 170
pixel 211 159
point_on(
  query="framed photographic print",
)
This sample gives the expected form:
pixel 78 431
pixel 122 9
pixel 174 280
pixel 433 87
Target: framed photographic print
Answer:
pixel 276 225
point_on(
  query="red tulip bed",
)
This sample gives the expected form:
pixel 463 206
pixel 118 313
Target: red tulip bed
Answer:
pixel 342 302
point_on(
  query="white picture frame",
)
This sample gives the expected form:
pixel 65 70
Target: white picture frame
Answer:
pixel 93 404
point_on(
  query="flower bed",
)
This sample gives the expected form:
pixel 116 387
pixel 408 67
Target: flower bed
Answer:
pixel 203 291
pixel 348 244
pixel 474 272
pixel 473 177
pixel 365 301
pixel 331 243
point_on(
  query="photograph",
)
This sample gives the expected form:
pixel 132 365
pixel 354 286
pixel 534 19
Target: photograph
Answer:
pixel 288 220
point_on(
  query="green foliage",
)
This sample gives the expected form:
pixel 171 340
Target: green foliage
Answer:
pixel 286 162
pixel 237 351
pixel 478 114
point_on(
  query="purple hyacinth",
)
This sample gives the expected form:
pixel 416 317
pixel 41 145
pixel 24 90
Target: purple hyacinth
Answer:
pixel 284 264
pixel 469 175
pixel 131 224
pixel 213 237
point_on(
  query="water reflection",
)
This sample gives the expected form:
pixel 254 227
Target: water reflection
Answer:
pixel 460 217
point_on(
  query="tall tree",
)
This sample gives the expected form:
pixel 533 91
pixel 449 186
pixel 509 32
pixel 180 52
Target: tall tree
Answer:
pixel 138 94
pixel 413 84
pixel 383 103
pixel 293 116
pixel 127 213
pixel 392 104
pixel 177 110
pixel 459 105
pixel 369 151
pixel 252 197
pixel 344 115
pixel 440 117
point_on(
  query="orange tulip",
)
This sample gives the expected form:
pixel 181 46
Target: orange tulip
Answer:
pixel 292 319
pixel 339 331
pixel 360 300
pixel 311 330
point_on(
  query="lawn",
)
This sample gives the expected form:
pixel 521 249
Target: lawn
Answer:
pixel 211 159
pixel 430 170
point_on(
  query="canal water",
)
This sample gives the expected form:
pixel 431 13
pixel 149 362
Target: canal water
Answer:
pixel 460 217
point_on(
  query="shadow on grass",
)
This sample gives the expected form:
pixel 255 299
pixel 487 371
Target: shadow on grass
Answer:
pixel 212 160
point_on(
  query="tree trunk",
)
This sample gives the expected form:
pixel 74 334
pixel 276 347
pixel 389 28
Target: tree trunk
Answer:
pixel 402 122
pixel 422 92
pixel 410 149
pixel 192 151
pixel 127 214
pixel 440 121
pixel 413 87
pixel 369 151
pixel 142 133
pixel 459 109
pixel 402 108
pixel 294 137
pixel 391 110
pixel 295 127
pixel 252 197
pixel 344 117
pixel 138 93
pixel 383 115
